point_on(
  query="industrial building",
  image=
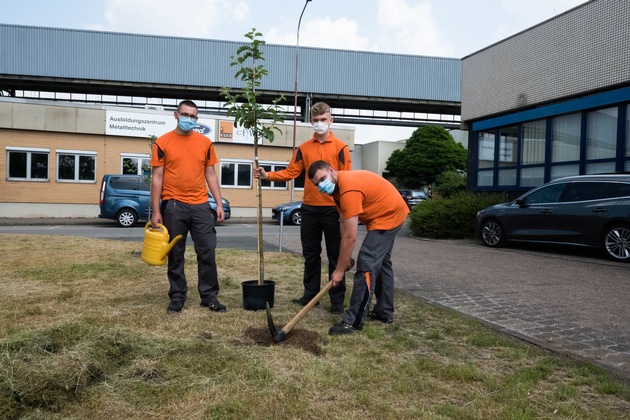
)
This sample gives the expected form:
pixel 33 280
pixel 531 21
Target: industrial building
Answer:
pixel 550 101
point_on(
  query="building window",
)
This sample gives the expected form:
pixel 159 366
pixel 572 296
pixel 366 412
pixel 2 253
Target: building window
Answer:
pixel 601 134
pixel 27 164
pixel 485 178
pixel 507 177
pixel 76 166
pixel 532 177
pixel 272 167
pixel 534 141
pixel 565 138
pixel 560 171
pixel 486 149
pixel 133 164
pixel 508 146
pixel 236 174
pixel 599 168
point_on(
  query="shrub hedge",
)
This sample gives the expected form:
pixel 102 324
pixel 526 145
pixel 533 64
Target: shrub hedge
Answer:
pixel 450 218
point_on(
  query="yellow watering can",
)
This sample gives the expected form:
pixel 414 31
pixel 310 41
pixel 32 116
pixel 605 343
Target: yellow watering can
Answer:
pixel 156 244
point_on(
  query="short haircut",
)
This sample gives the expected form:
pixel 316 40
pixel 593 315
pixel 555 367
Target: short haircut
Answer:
pixel 187 103
pixel 320 108
pixel 316 166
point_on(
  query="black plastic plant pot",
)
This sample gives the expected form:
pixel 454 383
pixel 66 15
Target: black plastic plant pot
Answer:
pixel 256 296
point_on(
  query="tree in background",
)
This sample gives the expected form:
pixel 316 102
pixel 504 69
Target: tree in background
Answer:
pixel 449 183
pixel 429 152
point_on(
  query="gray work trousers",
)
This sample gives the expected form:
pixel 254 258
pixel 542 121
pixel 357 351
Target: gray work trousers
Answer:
pixel 181 218
pixel 374 276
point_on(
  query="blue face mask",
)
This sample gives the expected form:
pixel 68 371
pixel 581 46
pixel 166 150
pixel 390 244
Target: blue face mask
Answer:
pixel 326 186
pixel 186 124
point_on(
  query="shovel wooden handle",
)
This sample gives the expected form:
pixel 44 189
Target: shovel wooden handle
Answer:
pixel 289 326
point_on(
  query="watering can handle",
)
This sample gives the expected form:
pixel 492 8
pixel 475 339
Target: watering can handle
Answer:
pixel 149 225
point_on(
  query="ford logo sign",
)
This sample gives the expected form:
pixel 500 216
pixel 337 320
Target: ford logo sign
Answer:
pixel 202 129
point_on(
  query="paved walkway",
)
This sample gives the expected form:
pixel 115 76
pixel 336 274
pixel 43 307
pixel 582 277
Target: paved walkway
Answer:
pixel 572 304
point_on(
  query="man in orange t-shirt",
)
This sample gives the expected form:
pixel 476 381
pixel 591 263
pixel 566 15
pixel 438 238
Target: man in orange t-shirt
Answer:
pixel 182 163
pixel 363 196
pixel 319 214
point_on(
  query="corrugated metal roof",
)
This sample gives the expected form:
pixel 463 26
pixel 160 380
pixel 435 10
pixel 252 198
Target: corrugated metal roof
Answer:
pixel 122 57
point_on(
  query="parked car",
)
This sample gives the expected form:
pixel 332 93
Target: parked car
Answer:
pixel 413 197
pixel 589 211
pixel 292 212
pixel 125 199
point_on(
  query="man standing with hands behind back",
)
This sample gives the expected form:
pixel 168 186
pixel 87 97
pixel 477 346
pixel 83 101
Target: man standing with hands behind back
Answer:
pixel 319 214
pixel 183 164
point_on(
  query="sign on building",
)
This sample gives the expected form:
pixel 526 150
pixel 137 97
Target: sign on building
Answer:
pixel 139 124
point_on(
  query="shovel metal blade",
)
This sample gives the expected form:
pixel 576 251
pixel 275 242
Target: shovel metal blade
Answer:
pixel 275 335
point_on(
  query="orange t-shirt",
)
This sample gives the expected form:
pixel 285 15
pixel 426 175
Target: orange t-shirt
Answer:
pixel 374 199
pixel 333 151
pixel 184 159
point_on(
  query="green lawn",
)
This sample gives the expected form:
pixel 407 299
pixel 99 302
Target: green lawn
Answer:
pixel 85 334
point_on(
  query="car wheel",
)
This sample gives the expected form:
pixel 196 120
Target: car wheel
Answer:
pixel 214 215
pixel 126 218
pixel 492 233
pixel 296 217
pixel 616 243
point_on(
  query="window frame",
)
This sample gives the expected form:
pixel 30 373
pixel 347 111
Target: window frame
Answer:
pixel 236 162
pixel 78 154
pixel 29 151
pixel 140 162
pixel 274 167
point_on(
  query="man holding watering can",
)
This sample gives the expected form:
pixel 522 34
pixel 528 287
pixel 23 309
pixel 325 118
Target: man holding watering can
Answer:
pixel 183 162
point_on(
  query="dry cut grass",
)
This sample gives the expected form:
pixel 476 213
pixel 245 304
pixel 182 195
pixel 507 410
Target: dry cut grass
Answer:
pixel 84 334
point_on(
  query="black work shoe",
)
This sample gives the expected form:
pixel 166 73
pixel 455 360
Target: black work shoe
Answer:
pixel 303 301
pixel 336 308
pixel 342 328
pixel 214 306
pixel 175 307
pixel 375 316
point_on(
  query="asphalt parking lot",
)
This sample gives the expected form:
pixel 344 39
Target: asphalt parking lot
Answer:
pixel 569 301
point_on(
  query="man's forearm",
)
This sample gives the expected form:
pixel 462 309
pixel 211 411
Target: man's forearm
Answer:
pixel 348 231
pixel 157 179
pixel 345 252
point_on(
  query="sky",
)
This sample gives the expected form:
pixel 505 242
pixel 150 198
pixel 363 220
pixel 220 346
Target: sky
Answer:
pixel 437 28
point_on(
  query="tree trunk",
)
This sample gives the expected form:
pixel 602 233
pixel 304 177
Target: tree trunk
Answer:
pixel 261 255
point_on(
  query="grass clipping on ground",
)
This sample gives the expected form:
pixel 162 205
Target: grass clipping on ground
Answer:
pixel 85 334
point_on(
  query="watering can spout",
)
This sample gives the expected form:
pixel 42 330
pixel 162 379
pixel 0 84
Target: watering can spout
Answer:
pixel 171 244
pixel 156 246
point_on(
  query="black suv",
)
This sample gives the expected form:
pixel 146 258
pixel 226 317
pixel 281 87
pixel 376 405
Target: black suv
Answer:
pixel 588 210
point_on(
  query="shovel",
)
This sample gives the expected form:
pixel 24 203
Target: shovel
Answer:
pixel 281 335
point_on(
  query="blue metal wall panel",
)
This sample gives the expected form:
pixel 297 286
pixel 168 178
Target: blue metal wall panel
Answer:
pixel 70 53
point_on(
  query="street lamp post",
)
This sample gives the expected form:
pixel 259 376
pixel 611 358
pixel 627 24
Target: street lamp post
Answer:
pixel 297 46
